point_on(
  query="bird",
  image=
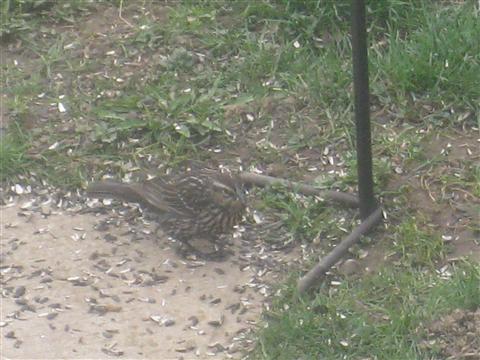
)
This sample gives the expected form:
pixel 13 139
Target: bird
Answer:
pixel 203 203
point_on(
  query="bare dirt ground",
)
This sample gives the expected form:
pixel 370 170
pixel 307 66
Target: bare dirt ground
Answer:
pixel 457 335
pixel 72 291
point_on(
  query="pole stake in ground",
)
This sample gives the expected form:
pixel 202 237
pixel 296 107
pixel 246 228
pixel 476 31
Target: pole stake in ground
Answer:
pixel 368 214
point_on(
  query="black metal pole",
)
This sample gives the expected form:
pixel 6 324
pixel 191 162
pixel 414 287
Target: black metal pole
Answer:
pixel 362 109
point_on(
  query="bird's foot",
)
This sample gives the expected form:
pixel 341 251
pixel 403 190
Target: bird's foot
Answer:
pixel 188 251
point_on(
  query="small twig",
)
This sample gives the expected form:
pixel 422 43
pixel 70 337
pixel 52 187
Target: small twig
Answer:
pixel 413 172
pixel 263 180
pixel 328 261
pixel 120 14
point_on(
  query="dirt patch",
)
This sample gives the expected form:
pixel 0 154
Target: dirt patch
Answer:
pixel 456 336
pixel 84 286
pixel 449 206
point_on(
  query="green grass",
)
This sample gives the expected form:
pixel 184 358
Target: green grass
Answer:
pixel 380 316
pixel 175 106
pixel 439 60
pixel 12 154
pixel 23 16
pixel 416 247
pixel 305 217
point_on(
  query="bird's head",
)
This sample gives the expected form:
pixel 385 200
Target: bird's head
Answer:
pixel 227 191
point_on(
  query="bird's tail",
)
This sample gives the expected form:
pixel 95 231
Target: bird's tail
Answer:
pixel 112 189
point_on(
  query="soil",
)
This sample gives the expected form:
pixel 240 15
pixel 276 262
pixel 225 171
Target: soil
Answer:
pixel 456 336
pixel 84 286
pixel 451 210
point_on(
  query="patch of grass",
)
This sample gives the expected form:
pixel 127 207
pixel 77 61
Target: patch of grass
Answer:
pixel 22 16
pixel 416 247
pixel 307 218
pixel 14 15
pixel 21 87
pixel 13 160
pixel 382 171
pixel 475 176
pixel 380 316
pixel 462 291
pixel 464 179
pixel 310 22
pixel 211 54
pixel 438 61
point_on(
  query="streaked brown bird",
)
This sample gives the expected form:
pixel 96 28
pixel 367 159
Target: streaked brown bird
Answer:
pixel 204 204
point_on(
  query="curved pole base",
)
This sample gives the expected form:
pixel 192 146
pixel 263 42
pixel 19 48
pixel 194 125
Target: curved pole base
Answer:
pixel 315 275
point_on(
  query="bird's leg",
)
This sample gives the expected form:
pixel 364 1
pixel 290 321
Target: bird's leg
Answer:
pixel 219 254
pixel 156 237
pixel 185 249
pixel 132 214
